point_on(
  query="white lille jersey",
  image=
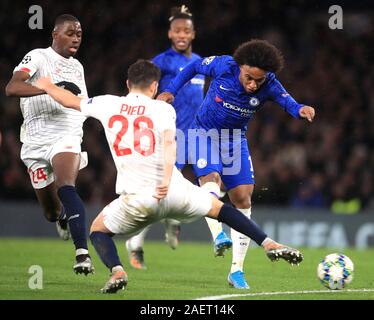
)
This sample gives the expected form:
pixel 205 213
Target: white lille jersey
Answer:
pixel 133 126
pixel 46 121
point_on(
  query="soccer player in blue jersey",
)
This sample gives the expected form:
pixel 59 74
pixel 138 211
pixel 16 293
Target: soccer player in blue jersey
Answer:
pixel 186 103
pixel 240 86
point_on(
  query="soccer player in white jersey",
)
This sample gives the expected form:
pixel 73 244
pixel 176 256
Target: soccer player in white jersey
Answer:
pixel 52 135
pixel 141 135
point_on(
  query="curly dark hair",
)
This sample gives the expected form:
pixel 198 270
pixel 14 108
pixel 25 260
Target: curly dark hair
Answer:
pixel 260 54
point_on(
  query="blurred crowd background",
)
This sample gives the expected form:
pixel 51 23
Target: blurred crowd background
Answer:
pixel 327 164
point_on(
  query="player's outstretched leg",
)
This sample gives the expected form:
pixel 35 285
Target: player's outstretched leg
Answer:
pixel 221 241
pixel 107 251
pixel 172 231
pixel 134 247
pixel 235 219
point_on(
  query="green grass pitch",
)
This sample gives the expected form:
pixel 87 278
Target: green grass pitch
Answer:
pixel 190 272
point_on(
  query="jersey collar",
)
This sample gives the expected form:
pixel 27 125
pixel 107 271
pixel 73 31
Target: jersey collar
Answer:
pixel 53 52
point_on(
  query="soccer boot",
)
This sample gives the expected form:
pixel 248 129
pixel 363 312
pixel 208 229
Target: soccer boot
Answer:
pixel 83 265
pixel 237 280
pixel 172 234
pixel 63 229
pixel 136 258
pixel 117 281
pixel 291 255
pixel 221 243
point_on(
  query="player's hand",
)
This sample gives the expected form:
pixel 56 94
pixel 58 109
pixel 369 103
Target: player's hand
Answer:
pixel 42 83
pixel 166 96
pixel 72 87
pixel 161 192
pixel 307 112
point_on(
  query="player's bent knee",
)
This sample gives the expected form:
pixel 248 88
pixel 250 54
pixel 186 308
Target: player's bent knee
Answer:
pixel 245 204
pixel 241 202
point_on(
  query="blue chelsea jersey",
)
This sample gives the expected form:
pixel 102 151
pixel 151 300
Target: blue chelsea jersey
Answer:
pixel 191 96
pixel 227 105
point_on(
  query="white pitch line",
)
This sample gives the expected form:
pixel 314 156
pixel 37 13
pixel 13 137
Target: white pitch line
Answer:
pixel 226 296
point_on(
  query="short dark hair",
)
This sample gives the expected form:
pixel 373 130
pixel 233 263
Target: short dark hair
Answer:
pixel 65 17
pixel 181 12
pixel 142 73
pixel 260 54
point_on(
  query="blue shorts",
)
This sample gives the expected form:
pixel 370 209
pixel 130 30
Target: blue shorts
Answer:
pixel 229 157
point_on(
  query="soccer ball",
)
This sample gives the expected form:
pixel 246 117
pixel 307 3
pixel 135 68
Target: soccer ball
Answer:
pixel 335 271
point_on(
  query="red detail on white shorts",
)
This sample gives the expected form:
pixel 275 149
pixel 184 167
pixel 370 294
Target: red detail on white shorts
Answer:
pixel 25 69
pixel 37 175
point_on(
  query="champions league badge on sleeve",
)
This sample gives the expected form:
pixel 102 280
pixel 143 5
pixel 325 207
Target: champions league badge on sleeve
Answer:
pixel 208 60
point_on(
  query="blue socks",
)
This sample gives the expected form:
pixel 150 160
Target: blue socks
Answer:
pixel 105 248
pixel 238 221
pixel 75 214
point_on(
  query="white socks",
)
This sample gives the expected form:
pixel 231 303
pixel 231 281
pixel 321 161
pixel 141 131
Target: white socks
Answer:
pixel 214 226
pixel 80 251
pixel 240 244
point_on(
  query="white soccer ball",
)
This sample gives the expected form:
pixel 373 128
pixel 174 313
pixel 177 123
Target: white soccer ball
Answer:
pixel 335 271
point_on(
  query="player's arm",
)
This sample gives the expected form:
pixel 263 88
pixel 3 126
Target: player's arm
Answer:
pixel 62 96
pixel 209 66
pixel 178 82
pixel 170 157
pixel 289 104
pixel 18 87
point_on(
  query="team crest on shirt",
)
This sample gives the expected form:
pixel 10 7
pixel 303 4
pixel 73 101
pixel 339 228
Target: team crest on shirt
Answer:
pixel 254 102
pixel 201 163
pixel 26 60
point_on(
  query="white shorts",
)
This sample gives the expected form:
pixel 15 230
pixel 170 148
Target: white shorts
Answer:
pixel 185 202
pixel 38 159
